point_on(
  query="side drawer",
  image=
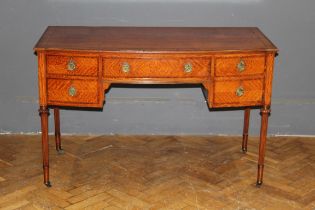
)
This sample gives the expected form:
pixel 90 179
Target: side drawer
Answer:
pixel 72 65
pixel 238 65
pixel 230 93
pixel 70 92
pixel 156 68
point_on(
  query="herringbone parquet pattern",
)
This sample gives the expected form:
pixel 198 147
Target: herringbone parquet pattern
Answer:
pixel 157 172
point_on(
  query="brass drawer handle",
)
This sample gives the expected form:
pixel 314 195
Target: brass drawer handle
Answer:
pixel 188 67
pixel 72 91
pixel 71 66
pixel 241 66
pixel 240 91
pixel 125 67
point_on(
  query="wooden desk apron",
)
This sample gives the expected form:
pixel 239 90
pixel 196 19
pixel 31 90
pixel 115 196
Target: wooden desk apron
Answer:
pixel 77 64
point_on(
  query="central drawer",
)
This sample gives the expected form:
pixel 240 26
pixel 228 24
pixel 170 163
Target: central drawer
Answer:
pixel 156 68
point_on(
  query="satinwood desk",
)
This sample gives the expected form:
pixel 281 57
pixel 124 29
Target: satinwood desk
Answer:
pixel 77 64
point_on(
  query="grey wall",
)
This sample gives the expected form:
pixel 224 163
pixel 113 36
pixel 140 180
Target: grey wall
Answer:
pixel 289 23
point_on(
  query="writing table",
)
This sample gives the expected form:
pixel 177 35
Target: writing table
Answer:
pixel 76 65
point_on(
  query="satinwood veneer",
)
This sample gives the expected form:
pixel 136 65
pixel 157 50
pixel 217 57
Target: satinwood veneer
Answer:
pixel 76 65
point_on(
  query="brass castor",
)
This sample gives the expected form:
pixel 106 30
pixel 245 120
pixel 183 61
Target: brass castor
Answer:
pixel 60 151
pixel 47 184
pixel 258 184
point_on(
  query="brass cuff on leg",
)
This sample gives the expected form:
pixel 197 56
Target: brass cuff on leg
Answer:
pixel 43 110
pixel 265 110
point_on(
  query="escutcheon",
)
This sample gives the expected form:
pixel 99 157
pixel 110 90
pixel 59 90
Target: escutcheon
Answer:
pixel 188 68
pixel 240 91
pixel 241 66
pixel 125 67
pixel 72 91
pixel 71 66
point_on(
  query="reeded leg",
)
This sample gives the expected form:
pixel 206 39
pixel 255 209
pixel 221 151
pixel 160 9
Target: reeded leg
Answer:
pixel 57 131
pixel 44 113
pixel 245 129
pixel 265 112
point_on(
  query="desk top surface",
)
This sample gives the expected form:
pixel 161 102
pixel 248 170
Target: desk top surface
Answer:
pixel 154 39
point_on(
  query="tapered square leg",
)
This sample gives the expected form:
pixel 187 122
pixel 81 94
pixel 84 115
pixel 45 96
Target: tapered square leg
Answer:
pixel 245 129
pixel 265 112
pixel 44 113
pixel 57 131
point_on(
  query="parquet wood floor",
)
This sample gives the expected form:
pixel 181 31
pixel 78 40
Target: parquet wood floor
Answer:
pixel 157 172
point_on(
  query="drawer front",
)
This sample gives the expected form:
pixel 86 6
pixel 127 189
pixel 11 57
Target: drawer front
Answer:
pixel 238 92
pixel 236 65
pixel 76 65
pixel 156 68
pixel 72 91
